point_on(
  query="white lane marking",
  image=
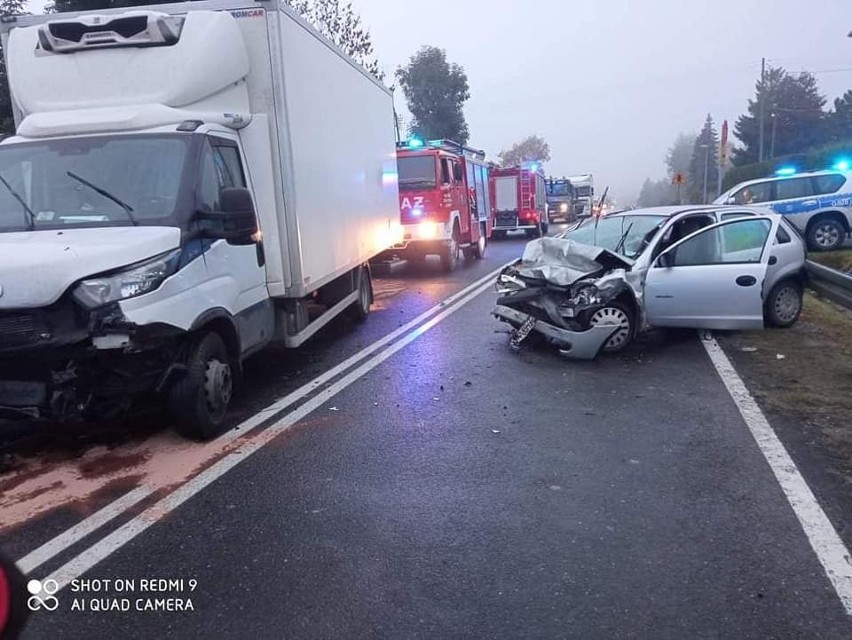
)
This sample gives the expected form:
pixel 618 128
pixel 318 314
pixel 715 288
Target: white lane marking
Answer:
pixel 121 536
pixel 60 543
pixel 305 390
pixel 85 527
pixel 825 542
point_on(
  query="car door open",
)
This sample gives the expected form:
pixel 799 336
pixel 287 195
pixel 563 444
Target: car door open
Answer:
pixel 712 279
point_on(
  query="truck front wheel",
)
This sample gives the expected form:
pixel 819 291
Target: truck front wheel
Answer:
pixel 199 400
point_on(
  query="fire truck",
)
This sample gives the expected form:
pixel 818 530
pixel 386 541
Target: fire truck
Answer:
pixel 520 200
pixel 444 201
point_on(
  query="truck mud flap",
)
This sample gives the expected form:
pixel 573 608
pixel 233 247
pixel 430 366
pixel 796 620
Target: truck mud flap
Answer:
pixel 581 345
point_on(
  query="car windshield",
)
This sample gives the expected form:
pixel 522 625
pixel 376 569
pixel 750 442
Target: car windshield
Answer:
pixel 416 172
pixel 79 182
pixel 623 234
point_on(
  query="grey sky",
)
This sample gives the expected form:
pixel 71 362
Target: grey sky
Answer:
pixel 610 83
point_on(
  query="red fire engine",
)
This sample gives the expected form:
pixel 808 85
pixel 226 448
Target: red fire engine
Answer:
pixel 520 200
pixel 444 201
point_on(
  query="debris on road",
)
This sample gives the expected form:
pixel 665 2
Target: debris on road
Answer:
pixel 748 349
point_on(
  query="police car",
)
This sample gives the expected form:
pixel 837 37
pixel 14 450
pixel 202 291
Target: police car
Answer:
pixel 818 203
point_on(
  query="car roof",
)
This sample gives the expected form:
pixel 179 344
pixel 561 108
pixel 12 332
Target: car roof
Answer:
pixel 802 174
pixel 670 211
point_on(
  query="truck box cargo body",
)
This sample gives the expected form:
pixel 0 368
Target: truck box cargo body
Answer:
pixel 181 182
pixel 520 200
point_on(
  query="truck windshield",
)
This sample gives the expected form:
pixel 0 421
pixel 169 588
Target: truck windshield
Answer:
pixel 583 192
pixel 417 172
pixel 97 181
pixel 559 189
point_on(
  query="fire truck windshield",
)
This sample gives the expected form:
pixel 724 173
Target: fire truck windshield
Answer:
pixel 417 172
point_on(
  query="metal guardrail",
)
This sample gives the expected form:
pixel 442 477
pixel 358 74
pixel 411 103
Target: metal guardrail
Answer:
pixel 832 284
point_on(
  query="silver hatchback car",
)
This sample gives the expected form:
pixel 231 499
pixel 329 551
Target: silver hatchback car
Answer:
pixel 707 267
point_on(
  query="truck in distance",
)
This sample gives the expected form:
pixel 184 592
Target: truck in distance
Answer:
pixel 520 200
pixel 560 200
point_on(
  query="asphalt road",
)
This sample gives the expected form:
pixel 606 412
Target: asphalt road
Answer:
pixel 454 489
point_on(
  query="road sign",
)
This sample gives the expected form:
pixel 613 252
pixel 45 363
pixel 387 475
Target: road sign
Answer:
pixel 679 179
pixel 723 150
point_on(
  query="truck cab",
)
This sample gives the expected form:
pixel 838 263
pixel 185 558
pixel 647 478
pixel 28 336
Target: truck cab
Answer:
pixel 444 203
pixel 560 200
pixel 164 213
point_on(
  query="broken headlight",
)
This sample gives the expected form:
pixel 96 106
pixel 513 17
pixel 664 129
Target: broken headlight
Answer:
pixel 129 283
pixel 585 295
pixel 508 284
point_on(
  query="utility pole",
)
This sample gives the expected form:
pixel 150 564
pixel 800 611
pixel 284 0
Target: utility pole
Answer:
pixel 761 105
pixel 774 116
pixel 706 167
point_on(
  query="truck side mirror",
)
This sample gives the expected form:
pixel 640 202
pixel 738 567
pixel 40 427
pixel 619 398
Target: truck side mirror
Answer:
pixel 236 220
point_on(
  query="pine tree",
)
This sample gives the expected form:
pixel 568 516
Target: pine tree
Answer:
pixel 705 157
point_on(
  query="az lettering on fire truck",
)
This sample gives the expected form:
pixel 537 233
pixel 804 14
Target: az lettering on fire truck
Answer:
pixel 406 202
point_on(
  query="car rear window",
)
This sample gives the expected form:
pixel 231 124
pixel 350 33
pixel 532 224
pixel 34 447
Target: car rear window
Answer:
pixel 828 183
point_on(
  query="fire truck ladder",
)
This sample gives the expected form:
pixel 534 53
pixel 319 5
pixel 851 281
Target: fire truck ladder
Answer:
pixel 526 189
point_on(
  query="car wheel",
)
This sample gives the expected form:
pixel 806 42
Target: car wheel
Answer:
pixel 360 309
pixel 826 234
pixel 450 256
pixel 784 304
pixel 199 400
pixel 618 314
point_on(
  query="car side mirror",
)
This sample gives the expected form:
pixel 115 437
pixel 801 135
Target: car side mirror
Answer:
pixel 235 221
pixel 13 599
pixel 731 200
pixel 666 259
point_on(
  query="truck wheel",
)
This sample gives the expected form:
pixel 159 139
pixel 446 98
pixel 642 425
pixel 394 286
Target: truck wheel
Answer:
pixel 615 313
pixel 783 304
pixel 534 233
pixel 826 234
pixel 481 246
pixel 545 227
pixel 360 309
pixel 199 400
pixel 450 255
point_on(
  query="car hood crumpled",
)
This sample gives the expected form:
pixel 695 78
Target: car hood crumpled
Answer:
pixel 562 262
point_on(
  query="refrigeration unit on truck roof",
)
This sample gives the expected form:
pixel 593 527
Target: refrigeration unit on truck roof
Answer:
pixel 180 193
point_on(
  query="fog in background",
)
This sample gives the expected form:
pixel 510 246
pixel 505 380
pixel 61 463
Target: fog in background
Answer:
pixel 609 84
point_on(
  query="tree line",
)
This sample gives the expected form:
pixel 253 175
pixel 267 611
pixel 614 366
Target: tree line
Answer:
pixel 796 119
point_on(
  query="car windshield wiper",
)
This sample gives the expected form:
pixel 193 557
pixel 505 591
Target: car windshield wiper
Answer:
pixel 106 194
pixel 619 246
pixel 30 215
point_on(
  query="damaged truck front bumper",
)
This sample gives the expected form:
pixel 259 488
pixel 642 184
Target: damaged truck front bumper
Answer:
pixel 582 345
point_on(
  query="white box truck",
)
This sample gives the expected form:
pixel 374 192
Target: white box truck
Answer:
pixel 187 184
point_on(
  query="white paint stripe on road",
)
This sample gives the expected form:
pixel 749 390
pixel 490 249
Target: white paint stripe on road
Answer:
pixel 79 531
pixel 824 540
pixel 127 532
pixel 76 533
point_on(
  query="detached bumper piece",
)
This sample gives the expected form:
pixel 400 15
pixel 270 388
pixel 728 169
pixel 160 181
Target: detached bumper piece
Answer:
pixel 581 345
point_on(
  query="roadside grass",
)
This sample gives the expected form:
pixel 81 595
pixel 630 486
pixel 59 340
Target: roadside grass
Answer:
pixel 804 373
pixel 840 260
